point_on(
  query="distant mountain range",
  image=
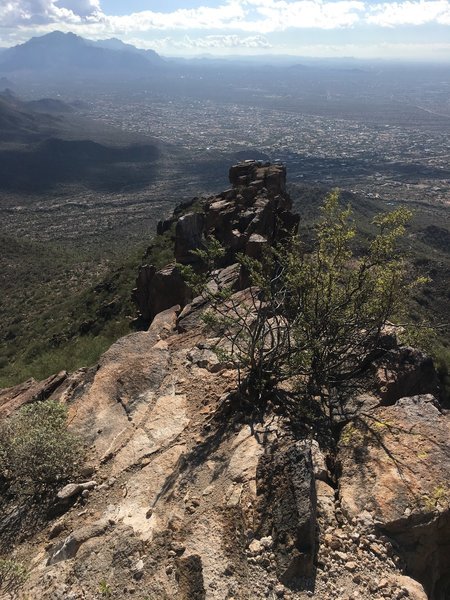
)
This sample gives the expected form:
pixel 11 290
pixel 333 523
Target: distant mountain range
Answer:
pixel 63 54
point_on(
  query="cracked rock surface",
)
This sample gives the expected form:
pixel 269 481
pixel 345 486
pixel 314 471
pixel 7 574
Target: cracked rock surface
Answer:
pixel 188 502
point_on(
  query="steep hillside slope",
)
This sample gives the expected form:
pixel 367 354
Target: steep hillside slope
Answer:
pixel 18 122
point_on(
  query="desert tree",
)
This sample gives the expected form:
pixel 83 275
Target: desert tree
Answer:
pixel 312 318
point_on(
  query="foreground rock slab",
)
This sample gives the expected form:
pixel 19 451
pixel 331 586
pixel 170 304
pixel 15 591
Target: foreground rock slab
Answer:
pixel 396 467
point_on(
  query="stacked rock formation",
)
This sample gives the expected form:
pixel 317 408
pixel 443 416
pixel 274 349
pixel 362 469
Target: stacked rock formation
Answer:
pixel 254 212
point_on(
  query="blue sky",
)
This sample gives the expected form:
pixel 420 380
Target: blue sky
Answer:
pixel 405 29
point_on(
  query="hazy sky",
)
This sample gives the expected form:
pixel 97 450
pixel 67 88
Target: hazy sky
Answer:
pixel 412 29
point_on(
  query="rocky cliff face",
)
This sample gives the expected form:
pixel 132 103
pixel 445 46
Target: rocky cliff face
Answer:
pixel 182 497
pixel 254 212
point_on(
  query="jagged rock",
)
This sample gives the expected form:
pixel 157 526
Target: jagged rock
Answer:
pixel 287 509
pixel 164 324
pixel 411 589
pixel 255 246
pixel 243 222
pixel 188 236
pixel 190 578
pixel 138 569
pixel 56 529
pixel 205 358
pixel 31 391
pixel 220 213
pixel 245 453
pixel 318 460
pixel 325 502
pixel 70 546
pixel 157 291
pixel 255 547
pixel 259 175
pixel 405 371
pixel 396 465
pixel 191 316
pixel 143 290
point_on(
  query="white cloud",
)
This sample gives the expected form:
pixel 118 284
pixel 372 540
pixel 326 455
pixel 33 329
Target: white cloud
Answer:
pixel 392 14
pixel 258 16
pixel 83 8
pixel 248 15
pixel 19 19
pixel 221 41
pixel 229 15
pixel 16 13
pixel 280 14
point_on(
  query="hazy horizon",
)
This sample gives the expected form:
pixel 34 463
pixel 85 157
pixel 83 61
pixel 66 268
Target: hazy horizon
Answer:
pixel 261 56
pixel 406 30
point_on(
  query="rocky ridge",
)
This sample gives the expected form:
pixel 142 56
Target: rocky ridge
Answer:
pixel 182 497
pixel 253 213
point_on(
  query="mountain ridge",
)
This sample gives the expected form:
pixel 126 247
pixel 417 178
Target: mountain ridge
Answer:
pixel 58 53
pixel 185 495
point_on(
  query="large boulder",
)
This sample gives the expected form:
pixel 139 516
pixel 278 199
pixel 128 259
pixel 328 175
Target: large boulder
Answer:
pixel 395 465
pixel 143 290
pixel 157 291
pixel 188 236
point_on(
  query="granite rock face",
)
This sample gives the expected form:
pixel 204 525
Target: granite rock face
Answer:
pixel 188 236
pixel 191 502
pixel 15 397
pixel 405 371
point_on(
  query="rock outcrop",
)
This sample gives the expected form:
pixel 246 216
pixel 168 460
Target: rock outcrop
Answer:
pixel 11 399
pixel 287 510
pixel 405 371
pixel 255 212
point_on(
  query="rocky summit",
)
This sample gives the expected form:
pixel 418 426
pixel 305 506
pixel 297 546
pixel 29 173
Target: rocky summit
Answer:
pixel 255 212
pixel 183 497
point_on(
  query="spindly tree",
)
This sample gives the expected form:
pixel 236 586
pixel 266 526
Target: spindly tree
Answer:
pixel 313 318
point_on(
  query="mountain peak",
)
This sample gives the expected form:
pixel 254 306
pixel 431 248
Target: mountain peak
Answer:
pixel 57 54
pixel 57 36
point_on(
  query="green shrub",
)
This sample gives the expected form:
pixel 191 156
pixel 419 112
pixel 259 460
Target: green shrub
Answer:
pixel 37 452
pixel 104 589
pixel 12 575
